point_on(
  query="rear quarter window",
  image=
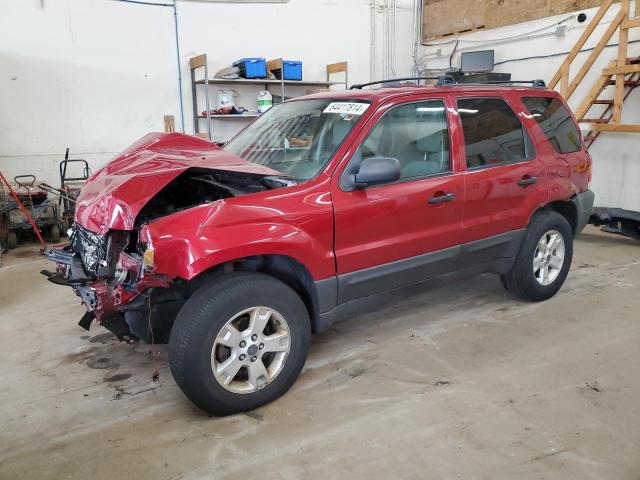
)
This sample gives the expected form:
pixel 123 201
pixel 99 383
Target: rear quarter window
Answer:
pixel 556 123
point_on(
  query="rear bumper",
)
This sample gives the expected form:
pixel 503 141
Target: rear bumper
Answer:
pixel 584 205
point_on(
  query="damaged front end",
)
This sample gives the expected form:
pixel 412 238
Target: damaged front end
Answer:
pixel 110 261
pixel 114 278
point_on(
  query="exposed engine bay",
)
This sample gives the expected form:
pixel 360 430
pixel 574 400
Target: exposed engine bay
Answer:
pixel 197 186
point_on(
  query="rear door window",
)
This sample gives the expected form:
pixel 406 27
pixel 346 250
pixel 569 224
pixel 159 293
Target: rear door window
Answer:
pixel 556 123
pixel 493 134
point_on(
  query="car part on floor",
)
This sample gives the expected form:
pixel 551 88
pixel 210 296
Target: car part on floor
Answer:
pixel 617 220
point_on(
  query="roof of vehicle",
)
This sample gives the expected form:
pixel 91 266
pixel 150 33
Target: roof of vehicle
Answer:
pixel 381 94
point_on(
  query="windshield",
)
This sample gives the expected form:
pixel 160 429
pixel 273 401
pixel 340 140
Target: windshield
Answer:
pixel 299 137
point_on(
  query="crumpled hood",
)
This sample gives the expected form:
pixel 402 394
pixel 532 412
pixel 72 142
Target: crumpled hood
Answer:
pixel 115 194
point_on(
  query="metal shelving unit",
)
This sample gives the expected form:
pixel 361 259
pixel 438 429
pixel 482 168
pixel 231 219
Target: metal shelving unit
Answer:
pixel 240 116
pixel 200 62
pixel 267 81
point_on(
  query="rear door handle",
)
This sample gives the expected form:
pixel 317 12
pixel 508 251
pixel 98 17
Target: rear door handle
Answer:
pixel 441 197
pixel 527 180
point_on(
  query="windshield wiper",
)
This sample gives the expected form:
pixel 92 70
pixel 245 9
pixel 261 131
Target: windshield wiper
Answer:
pixel 272 182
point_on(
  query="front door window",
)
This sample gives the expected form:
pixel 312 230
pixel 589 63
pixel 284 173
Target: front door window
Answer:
pixel 414 133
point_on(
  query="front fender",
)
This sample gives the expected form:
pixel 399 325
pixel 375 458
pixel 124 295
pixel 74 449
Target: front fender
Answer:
pixel 191 242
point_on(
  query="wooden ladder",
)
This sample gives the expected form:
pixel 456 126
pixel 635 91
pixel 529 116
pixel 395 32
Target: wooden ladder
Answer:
pixel 623 74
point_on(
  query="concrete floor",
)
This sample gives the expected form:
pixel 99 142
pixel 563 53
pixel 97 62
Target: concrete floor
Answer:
pixel 460 382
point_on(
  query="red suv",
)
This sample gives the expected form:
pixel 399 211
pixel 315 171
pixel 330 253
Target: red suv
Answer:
pixel 235 255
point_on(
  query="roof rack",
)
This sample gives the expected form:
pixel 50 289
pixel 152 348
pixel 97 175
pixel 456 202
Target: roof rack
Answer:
pixel 534 83
pixel 444 80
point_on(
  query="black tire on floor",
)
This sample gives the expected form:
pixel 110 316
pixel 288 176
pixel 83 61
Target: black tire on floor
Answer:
pixel 54 233
pixel 12 240
pixel 201 319
pixel 521 280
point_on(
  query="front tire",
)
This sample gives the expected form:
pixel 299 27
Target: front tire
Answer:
pixel 544 259
pixel 239 342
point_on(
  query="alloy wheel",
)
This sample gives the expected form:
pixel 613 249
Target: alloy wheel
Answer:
pixel 250 350
pixel 548 258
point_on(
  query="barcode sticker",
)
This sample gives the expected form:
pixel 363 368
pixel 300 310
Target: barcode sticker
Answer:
pixel 346 108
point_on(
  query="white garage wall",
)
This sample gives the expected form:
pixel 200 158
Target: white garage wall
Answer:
pixel 96 75
pixel 84 74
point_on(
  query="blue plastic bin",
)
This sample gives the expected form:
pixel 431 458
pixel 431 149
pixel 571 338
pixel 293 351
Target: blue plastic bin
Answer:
pixel 252 67
pixel 286 69
pixel 292 69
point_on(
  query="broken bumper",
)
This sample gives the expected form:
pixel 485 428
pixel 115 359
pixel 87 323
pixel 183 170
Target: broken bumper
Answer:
pixel 106 299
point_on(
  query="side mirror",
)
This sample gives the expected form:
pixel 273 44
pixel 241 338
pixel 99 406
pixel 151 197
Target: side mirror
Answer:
pixel 376 170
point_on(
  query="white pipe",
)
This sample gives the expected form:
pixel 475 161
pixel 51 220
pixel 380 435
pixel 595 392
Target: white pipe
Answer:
pixel 384 40
pixel 372 56
pixel 392 40
pixel 387 41
pixel 417 21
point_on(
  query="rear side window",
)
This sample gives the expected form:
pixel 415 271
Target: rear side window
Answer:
pixel 493 134
pixel 555 121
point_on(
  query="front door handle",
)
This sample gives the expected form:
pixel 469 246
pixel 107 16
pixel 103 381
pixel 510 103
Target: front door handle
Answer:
pixel 441 197
pixel 527 180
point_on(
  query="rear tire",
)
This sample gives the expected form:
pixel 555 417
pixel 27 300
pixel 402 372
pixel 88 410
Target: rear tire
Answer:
pixel 206 335
pixel 544 259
